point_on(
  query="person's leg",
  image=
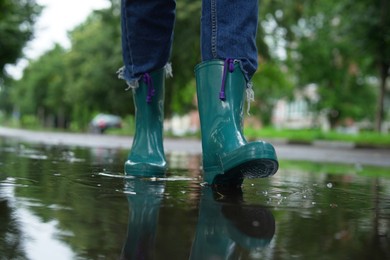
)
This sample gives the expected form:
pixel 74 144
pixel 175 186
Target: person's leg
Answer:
pixel 147 32
pixel 228 30
pixel 229 60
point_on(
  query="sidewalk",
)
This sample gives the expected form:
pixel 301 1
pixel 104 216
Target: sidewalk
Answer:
pixel 317 152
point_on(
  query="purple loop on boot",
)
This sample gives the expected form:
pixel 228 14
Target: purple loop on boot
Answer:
pixel 228 65
pixel 149 83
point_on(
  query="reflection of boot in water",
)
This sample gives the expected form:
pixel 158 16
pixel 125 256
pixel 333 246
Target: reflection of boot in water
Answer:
pixel 225 222
pixel 144 197
pixel 251 225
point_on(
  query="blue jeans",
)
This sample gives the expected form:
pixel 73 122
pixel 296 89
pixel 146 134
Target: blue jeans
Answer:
pixel 228 30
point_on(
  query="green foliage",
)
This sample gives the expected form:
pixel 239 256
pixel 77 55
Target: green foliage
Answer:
pixel 185 55
pixel 322 47
pixel 41 90
pixel 16 28
pixel 327 59
pixel 66 87
pixel 29 121
pixel 93 85
pixel 369 28
pixel 270 84
pixel 17 19
pixel 5 100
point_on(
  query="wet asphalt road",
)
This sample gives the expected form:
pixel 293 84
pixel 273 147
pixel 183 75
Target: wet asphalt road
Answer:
pixel 318 152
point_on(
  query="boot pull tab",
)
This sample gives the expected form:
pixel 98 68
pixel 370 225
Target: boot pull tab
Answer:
pixel 148 81
pixel 228 66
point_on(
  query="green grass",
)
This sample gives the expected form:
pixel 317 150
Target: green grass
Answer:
pixel 335 168
pixel 310 135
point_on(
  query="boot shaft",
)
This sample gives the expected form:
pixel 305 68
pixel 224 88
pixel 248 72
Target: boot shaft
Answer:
pixel 146 156
pixel 220 93
pixel 149 107
pixel 149 97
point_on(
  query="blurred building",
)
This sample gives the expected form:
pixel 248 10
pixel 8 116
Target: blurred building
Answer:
pixel 296 113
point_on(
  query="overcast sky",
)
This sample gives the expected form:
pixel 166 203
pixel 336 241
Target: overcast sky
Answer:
pixel 57 18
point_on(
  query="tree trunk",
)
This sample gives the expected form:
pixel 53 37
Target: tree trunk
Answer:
pixel 384 67
pixel 381 97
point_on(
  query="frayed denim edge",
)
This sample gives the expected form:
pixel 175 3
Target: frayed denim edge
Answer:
pixel 250 94
pixel 134 82
pixel 131 83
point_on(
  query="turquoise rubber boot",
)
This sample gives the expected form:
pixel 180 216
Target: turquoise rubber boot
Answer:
pixel 146 157
pixel 227 157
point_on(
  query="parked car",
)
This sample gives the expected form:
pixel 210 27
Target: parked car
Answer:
pixel 101 122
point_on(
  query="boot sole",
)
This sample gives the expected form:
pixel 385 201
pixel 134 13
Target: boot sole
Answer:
pixel 253 160
pixel 258 168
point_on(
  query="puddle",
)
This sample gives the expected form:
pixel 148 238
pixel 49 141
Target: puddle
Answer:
pixel 64 203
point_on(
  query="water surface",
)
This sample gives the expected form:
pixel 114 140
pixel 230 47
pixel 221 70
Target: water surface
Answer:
pixel 73 203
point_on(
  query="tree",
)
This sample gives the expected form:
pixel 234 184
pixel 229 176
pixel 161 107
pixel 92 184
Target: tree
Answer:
pixel 370 32
pixel 273 79
pixel 92 83
pixel 327 59
pixel 40 91
pixel 320 51
pixel 181 89
pixel 16 28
